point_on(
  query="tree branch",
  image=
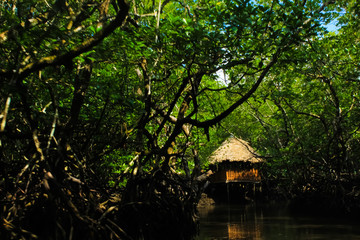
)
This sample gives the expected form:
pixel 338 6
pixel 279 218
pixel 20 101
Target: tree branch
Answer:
pixel 76 51
pixel 211 122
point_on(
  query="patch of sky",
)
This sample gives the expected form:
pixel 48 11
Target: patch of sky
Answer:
pixel 222 77
pixel 333 26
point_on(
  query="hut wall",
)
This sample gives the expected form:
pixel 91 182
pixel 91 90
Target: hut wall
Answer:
pixel 236 175
pixel 251 175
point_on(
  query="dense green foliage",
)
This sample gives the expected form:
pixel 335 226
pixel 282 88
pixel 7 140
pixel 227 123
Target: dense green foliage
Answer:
pixel 98 97
pixel 304 119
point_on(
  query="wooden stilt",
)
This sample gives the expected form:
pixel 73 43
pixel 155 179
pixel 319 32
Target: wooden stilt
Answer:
pixel 228 192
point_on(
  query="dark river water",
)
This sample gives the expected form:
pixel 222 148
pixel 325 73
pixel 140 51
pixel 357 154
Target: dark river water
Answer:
pixel 271 222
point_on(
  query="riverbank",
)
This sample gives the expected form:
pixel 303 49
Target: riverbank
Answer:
pixel 335 198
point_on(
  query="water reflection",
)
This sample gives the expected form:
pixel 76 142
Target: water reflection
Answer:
pixel 254 222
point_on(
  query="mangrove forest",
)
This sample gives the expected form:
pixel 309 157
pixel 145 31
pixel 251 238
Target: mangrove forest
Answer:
pixel 110 110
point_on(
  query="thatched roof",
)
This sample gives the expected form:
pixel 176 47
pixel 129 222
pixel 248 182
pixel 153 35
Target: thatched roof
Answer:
pixel 234 149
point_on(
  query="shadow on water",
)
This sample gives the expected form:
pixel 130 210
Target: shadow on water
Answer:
pixel 271 222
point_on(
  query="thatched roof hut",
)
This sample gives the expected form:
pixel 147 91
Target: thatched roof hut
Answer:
pixel 235 161
pixel 234 149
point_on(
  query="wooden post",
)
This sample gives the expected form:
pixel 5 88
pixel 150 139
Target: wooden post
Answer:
pixel 228 192
pixel 254 189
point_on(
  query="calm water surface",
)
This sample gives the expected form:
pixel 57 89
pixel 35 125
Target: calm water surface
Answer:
pixel 271 222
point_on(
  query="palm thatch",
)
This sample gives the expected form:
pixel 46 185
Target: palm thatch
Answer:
pixel 234 150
